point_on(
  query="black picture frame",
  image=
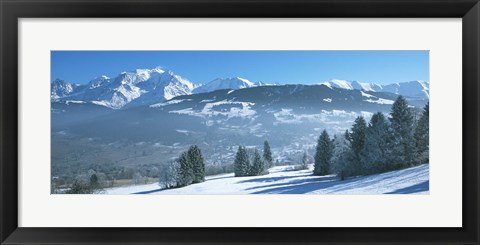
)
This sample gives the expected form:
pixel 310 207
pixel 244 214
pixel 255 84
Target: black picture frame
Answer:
pixel 12 10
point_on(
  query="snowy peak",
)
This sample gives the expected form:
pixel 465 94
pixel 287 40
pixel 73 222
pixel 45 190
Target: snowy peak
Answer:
pixel 98 82
pixel 335 83
pixel 418 89
pixel 415 89
pixel 366 86
pixel 225 83
pixel 153 85
pixel 350 85
pixel 161 86
pixel 60 88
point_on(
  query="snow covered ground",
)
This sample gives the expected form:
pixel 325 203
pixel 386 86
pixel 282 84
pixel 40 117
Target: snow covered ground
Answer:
pixel 282 180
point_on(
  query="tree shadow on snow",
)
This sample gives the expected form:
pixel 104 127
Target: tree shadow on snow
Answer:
pixel 150 191
pixel 295 182
pixel 220 177
pixel 298 187
pixel 302 186
pixel 270 179
pixel 424 186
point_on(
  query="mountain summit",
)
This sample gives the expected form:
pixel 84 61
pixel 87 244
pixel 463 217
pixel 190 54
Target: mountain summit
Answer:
pixel 225 83
pixel 416 89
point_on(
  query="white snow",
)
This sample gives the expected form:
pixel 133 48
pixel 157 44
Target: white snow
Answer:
pixel 339 84
pixel 151 86
pixel 141 86
pixel 419 89
pixel 381 101
pixel 282 180
pixel 244 111
pixel 366 114
pixel 170 102
pixel 225 83
pixel 367 95
pixel 206 101
pixel 287 116
pixel 74 102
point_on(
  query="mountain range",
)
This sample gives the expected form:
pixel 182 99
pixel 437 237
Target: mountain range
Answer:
pixel 153 86
pixel 150 116
pixel 416 89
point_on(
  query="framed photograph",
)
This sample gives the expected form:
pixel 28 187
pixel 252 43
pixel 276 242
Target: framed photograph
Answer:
pixel 249 122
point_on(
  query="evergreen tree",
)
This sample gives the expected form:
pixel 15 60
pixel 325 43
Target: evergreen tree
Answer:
pixel 347 135
pixel 80 187
pixel 378 143
pixel 94 183
pixel 267 154
pixel 357 136
pixel 169 175
pixel 198 165
pixel 342 157
pixel 357 143
pixel 402 128
pixel 305 160
pixel 258 167
pixel 186 175
pixel 241 164
pixel 421 137
pixel 323 155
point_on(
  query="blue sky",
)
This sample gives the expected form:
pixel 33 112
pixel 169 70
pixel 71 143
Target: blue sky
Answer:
pixel 284 67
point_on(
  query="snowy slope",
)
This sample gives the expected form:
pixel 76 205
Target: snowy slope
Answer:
pixel 419 89
pixel 282 180
pixel 225 83
pixel 350 85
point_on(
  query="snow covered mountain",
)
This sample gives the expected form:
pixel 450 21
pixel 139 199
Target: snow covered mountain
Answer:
pixel 60 88
pixel 417 89
pixel 142 86
pixel 353 85
pixel 153 86
pixel 255 110
pixel 225 83
pixel 290 116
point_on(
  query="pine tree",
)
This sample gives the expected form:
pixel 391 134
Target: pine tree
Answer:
pixel 94 183
pixel 357 143
pixel 169 175
pixel 402 128
pixel 342 156
pixel 267 154
pixel 357 136
pixel 241 164
pixel 186 175
pixel 197 163
pixel 323 155
pixel 378 143
pixel 258 167
pixel 421 137
pixel 305 160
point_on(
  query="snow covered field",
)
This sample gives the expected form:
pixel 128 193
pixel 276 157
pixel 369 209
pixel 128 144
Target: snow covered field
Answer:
pixel 282 180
